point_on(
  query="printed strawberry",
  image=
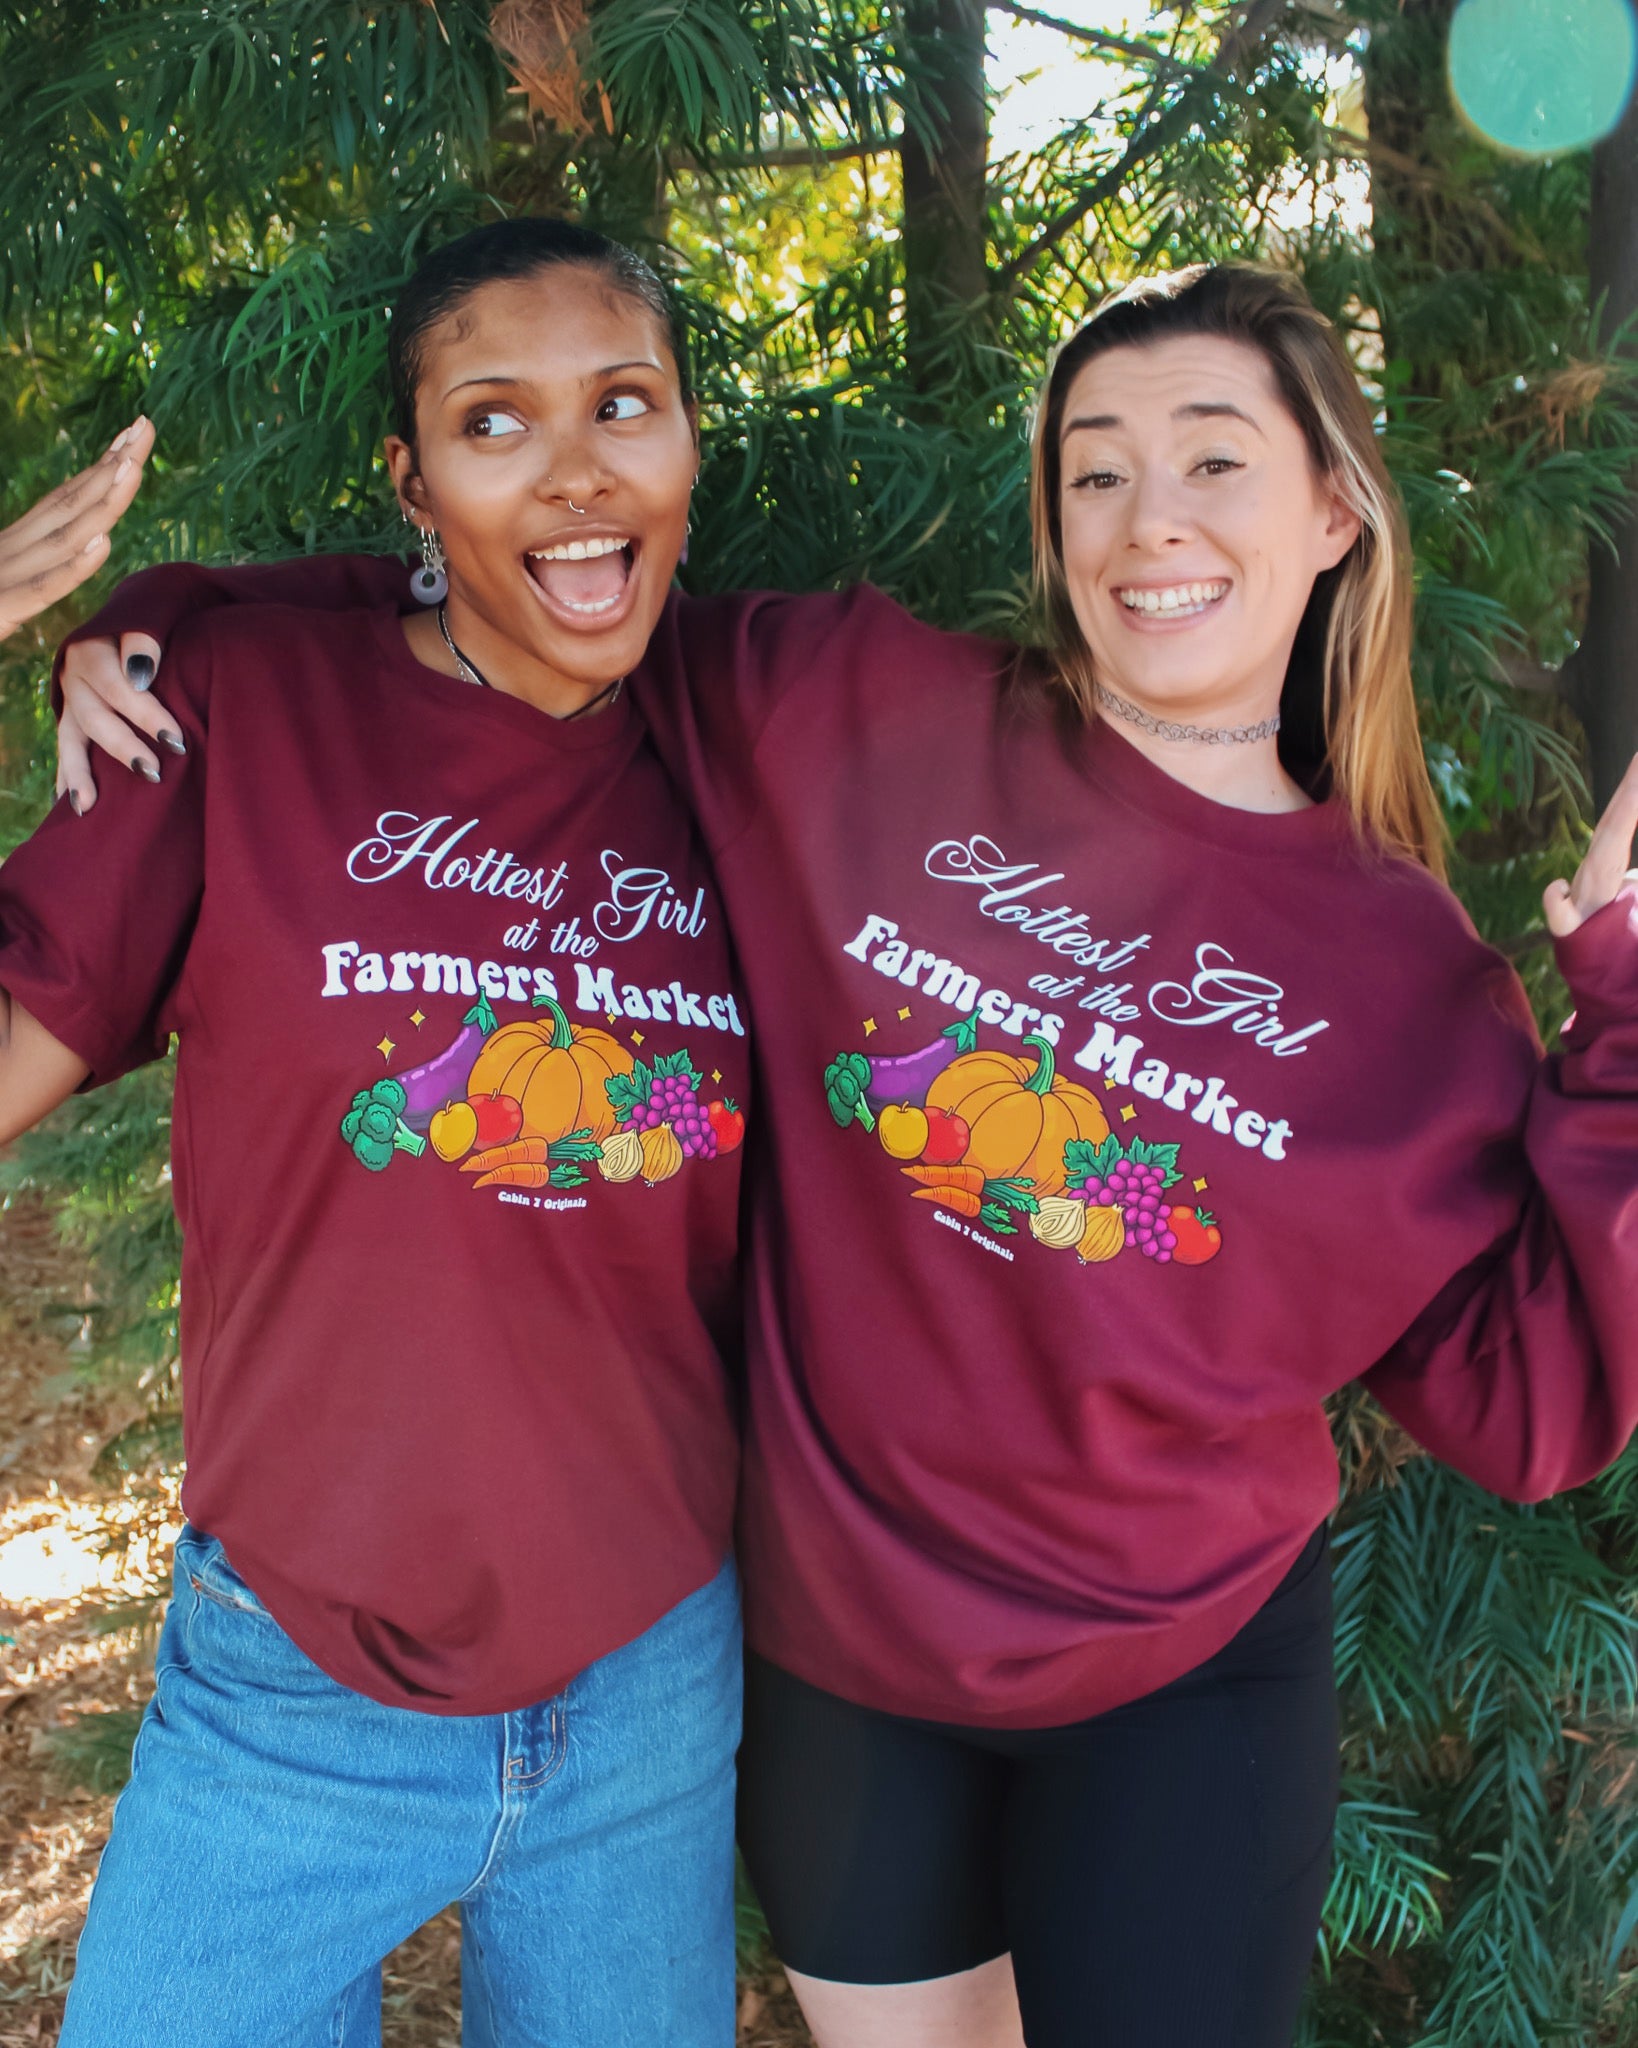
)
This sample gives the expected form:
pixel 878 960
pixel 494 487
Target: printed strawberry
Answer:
pixel 1197 1234
pixel 727 1119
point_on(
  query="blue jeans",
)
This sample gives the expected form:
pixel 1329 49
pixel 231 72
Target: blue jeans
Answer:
pixel 281 1834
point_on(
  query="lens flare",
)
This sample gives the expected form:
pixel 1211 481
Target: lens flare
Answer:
pixel 1543 77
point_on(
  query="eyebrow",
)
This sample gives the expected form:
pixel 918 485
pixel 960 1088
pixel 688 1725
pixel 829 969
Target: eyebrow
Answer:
pixel 591 376
pixel 1201 409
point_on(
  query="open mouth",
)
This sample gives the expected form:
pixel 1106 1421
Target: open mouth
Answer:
pixel 587 581
pixel 1171 601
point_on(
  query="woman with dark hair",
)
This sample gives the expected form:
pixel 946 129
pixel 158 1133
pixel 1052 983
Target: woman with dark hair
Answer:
pixel 1130 1081
pixel 454 1613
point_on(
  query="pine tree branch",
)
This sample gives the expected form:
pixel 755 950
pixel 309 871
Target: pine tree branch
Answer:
pixel 1236 44
pixel 1101 39
pixel 796 157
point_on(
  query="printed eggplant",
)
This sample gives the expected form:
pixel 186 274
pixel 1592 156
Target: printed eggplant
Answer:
pixel 427 1088
pixel 908 1078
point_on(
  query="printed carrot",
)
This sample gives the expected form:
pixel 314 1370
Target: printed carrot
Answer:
pixel 520 1152
pixel 533 1173
pixel 964 1201
pixel 520 1174
pixel 969 1179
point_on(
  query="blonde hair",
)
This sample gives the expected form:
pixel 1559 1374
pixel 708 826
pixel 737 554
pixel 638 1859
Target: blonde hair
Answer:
pixel 1348 710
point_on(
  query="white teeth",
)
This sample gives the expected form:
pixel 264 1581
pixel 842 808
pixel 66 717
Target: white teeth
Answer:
pixel 1180 597
pixel 578 550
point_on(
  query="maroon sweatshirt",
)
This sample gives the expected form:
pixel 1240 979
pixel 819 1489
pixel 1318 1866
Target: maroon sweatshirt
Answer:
pixel 1105 1131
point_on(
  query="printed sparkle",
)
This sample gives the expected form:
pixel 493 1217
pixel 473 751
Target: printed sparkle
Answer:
pixel 716 1075
pixel 1111 1084
pixel 1200 1187
pixel 386 1048
pixel 418 1018
pixel 611 1016
pixel 636 1038
pixel 1127 1113
pixel 903 1014
pixel 869 1026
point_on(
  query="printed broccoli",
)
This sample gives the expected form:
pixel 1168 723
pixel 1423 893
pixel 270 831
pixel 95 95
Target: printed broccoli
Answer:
pixel 375 1126
pixel 846 1079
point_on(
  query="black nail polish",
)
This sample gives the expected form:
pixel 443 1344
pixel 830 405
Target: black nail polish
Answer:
pixel 174 740
pixel 74 803
pixel 139 670
pixel 146 768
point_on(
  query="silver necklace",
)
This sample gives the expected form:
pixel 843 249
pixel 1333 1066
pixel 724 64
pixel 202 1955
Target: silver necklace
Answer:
pixel 469 669
pixel 473 674
pixel 1169 729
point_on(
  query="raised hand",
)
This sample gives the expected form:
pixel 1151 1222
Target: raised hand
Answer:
pixel 64 538
pixel 1607 867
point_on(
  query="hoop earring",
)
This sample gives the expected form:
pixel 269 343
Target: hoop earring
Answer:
pixel 430 583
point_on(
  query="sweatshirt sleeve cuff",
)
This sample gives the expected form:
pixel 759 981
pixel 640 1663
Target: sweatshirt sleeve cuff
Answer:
pixel 1599 963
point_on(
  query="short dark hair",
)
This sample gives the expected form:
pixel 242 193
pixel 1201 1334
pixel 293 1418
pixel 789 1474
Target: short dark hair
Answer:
pixel 519 248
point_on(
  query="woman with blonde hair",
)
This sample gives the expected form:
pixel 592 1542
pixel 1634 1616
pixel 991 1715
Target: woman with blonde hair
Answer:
pixel 1131 1082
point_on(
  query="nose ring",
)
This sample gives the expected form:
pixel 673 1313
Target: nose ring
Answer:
pixel 573 507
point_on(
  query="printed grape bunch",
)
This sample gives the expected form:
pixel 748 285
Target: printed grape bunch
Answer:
pixel 666 1093
pixel 1133 1179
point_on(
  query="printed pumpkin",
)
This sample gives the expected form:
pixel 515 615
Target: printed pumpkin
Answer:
pixel 1020 1115
pixel 557 1072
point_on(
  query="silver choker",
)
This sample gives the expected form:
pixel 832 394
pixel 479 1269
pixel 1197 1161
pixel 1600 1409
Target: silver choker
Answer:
pixel 1168 729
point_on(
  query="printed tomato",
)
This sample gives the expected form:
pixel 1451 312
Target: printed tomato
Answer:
pixel 727 1119
pixel 1198 1238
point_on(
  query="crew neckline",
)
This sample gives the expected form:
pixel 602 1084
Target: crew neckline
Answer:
pixel 570 736
pixel 1126 773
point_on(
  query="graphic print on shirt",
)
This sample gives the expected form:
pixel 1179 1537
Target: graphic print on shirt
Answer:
pixel 1000 1138
pixel 532 1103
pixel 992 1136
pixel 537 1102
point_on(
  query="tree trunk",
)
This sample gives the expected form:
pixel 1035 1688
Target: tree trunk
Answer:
pixel 944 155
pixel 1604 673
pixel 1417 227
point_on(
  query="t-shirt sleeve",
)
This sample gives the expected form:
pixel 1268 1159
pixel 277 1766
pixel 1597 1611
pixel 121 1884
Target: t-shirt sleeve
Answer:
pixel 1523 1372
pixel 158 600
pixel 719 670
pixel 96 913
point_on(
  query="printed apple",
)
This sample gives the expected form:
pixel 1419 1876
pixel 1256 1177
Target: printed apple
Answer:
pixel 727 1119
pixel 453 1130
pixel 947 1138
pixel 902 1129
pixel 500 1119
pixel 1198 1238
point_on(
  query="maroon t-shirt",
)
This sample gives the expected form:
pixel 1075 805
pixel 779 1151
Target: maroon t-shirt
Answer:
pixel 1105 1131
pixel 453 1379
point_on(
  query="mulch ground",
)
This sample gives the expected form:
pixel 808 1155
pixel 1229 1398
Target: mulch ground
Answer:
pixel 83 1565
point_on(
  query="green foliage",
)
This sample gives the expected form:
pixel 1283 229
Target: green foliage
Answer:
pixel 209 209
pixel 94 1750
